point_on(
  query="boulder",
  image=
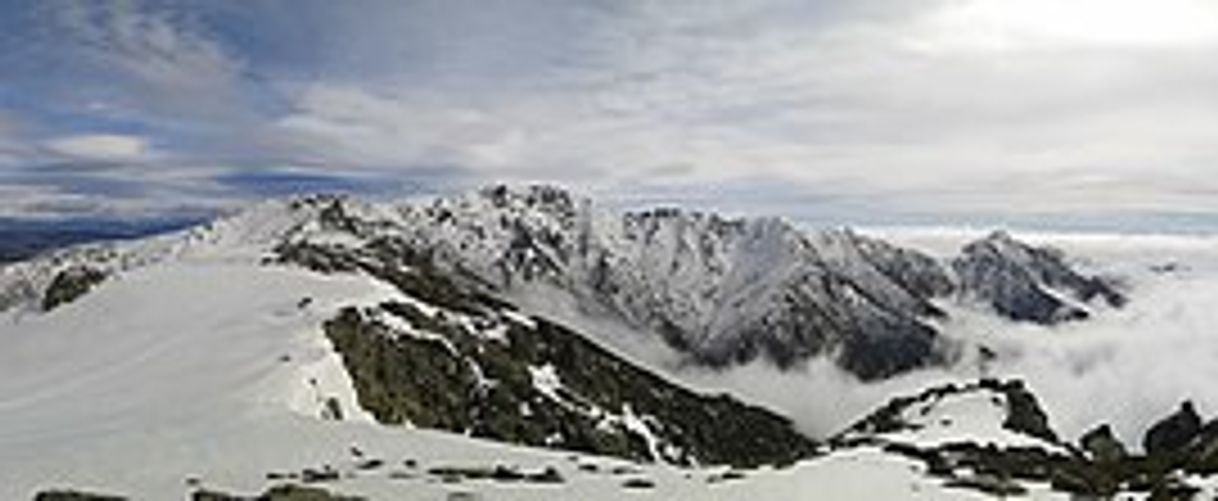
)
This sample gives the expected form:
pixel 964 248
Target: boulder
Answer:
pixel 1103 446
pixel 69 285
pixel 1173 433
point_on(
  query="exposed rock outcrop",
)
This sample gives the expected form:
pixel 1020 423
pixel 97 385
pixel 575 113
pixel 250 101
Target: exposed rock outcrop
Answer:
pixel 1015 413
pixel 74 495
pixel 286 492
pixel 1103 446
pixel 980 457
pixel 70 284
pixel 455 358
pixel 1173 433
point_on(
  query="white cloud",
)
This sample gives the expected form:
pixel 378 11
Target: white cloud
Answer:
pixel 1018 24
pixel 855 106
pixel 892 106
pixel 161 53
pixel 102 147
pixel 1128 368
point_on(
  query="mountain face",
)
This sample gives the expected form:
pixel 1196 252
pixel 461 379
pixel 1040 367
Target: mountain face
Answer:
pixel 449 356
pixel 720 291
pixel 723 291
pixel 1026 283
pixel 729 291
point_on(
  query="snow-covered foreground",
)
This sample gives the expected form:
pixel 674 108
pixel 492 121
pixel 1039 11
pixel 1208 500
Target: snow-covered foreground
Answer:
pixel 208 368
pixel 214 371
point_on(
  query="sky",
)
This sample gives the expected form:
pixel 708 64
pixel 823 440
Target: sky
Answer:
pixel 1063 113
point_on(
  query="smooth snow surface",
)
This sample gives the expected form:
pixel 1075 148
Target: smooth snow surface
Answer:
pixel 975 417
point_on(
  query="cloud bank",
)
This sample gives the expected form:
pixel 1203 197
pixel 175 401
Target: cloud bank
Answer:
pixel 1128 368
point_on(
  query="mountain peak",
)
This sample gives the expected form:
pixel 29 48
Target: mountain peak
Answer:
pixel 1027 283
pixel 987 411
pixel 541 196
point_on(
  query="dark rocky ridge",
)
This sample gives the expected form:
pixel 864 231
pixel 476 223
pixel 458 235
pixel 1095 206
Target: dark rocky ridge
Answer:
pixel 468 363
pixel 286 492
pixel 1174 433
pixel 1023 411
pixel 75 495
pixel 70 284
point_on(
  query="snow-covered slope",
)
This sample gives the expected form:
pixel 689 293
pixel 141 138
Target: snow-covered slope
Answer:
pixel 244 236
pixel 987 412
pixel 217 378
pixel 211 370
pixel 449 355
pixel 328 339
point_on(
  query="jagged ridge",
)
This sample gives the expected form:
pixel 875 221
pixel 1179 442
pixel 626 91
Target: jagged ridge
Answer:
pixel 723 291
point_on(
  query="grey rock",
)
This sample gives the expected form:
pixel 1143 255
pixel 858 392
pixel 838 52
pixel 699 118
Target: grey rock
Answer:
pixel 474 366
pixel 1174 432
pixel 70 284
pixel 1018 281
pixel 1103 446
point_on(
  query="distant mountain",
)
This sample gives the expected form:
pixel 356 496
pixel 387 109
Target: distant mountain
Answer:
pixel 720 291
pixel 23 238
pixel 1027 283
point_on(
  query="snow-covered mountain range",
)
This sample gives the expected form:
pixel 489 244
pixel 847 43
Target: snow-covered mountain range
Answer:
pixel 719 291
pixel 317 339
